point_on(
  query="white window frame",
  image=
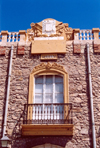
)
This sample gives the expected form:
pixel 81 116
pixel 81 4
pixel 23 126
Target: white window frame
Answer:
pixel 52 116
pixel 44 78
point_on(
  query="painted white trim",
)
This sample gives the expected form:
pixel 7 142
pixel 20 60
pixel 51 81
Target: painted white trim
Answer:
pixel 49 38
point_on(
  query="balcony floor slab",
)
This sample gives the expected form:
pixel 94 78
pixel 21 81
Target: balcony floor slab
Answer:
pixel 47 129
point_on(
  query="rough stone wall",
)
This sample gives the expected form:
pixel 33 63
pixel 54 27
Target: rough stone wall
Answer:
pixel 76 66
pixel 95 72
pixel 3 84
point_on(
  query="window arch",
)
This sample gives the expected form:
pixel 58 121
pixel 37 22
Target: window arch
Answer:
pixel 45 70
pixel 47 145
pixel 48 69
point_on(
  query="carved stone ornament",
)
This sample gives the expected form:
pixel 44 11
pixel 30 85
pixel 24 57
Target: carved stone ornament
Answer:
pixel 30 34
pixel 49 66
pixel 62 29
pixel 49 28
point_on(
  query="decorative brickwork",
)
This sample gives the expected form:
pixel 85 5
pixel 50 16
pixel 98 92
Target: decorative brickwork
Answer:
pixel 77 48
pixel 2 50
pixel 21 50
pixel 97 48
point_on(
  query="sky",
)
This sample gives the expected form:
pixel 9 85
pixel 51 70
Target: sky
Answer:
pixel 17 15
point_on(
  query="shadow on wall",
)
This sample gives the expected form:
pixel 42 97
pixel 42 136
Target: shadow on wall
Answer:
pixel 29 142
pixel 19 141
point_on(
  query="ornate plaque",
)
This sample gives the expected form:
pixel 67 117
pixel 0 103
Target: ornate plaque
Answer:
pixel 48 56
pixel 48 27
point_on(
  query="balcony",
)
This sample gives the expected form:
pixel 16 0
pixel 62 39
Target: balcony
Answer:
pixel 47 119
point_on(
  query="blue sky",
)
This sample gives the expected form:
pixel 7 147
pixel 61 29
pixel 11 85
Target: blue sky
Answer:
pixel 17 15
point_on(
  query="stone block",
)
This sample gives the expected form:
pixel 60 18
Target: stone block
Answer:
pixel 21 50
pixel 2 50
pixel 77 48
pixel 18 72
pixel 78 100
pixel 84 131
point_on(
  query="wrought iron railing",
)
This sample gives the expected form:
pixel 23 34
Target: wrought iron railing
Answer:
pixel 57 113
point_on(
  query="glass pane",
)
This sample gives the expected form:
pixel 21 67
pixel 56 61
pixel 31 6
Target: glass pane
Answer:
pixel 59 88
pixel 58 98
pixel 49 79
pixel 49 88
pixel 48 98
pixel 38 88
pixel 39 79
pixel 38 98
pixel 58 79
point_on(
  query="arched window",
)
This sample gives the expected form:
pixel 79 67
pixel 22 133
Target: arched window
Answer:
pixel 44 73
pixel 48 92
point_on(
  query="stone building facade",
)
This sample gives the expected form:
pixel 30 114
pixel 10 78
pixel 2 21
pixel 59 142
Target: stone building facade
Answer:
pixel 50 61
